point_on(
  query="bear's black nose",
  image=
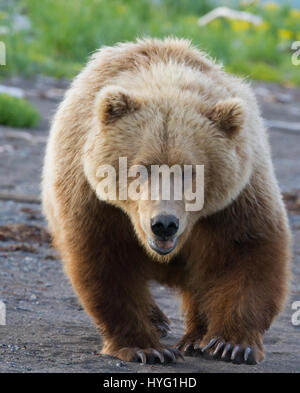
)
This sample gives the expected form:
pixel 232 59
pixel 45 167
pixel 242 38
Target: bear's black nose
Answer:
pixel 164 226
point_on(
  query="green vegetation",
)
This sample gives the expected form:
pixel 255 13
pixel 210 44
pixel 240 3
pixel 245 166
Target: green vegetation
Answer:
pixel 64 33
pixel 16 112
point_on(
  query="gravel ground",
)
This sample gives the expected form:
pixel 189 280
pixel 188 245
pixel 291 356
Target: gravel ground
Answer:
pixel 46 328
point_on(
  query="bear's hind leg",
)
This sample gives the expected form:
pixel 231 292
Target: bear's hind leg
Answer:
pixel 196 324
pixel 159 320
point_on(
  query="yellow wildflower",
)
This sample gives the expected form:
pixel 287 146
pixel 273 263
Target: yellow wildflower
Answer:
pixel 285 34
pixel 295 13
pixel 271 6
pixel 240 25
pixel 121 9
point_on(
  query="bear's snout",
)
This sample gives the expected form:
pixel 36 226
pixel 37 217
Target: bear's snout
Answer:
pixel 164 226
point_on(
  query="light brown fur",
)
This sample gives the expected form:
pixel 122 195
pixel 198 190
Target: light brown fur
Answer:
pixel 164 102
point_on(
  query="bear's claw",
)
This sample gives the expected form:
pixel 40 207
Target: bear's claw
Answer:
pixel 219 349
pixel 164 328
pixel 209 345
pixel 142 356
pixel 163 356
pixel 231 353
pixel 150 355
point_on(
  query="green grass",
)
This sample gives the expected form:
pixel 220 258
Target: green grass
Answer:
pixel 17 112
pixel 65 33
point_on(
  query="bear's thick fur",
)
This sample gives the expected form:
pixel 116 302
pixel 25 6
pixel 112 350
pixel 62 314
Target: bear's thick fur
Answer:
pixel 165 102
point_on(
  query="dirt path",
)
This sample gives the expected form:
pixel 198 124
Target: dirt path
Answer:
pixel 47 330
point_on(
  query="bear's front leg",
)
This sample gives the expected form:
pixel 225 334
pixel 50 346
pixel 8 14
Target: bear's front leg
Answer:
pixel 242 289
pixel 112 287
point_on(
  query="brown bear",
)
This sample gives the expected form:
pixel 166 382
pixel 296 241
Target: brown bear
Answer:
pixel 163 102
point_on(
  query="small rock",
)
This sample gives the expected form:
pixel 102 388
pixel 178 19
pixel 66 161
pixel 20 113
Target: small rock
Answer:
pixel 283 98
pixel 21 306
pixel 14 348
pixel 121 364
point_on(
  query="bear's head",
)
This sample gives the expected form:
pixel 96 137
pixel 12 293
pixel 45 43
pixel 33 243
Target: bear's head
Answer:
pixel 198 149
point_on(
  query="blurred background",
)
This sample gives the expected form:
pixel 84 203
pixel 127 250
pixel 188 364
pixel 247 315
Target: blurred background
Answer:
pixel 55 37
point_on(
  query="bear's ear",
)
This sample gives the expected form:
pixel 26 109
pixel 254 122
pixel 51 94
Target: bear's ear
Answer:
pixel 228 115
pixel 113 102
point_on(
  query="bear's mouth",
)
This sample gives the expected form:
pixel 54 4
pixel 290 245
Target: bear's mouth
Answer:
pixel 163 247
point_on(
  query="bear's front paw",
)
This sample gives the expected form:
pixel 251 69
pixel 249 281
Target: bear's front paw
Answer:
pixel 220 349
pixel 149 355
